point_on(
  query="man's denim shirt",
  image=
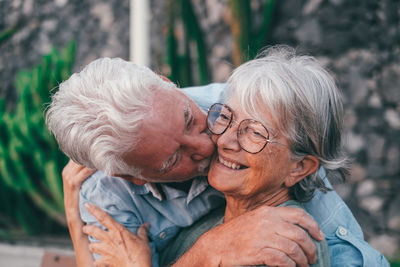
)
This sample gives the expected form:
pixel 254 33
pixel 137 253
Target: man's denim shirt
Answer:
pixel 133 205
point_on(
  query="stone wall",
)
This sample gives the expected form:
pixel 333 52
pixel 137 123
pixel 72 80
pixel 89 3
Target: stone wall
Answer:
pixel 99 28
pixel 358 40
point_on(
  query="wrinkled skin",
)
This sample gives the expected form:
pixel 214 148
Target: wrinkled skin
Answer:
pixel 118 247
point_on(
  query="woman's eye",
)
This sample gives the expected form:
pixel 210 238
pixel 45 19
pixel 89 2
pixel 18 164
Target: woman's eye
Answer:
pixel 261 135
pixel 255 134
pixel 224 117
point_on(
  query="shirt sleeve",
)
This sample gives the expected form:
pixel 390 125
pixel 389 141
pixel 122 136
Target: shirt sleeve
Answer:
pixel 115 205
pixel 349 250
pixel 205 96
pixel 343 234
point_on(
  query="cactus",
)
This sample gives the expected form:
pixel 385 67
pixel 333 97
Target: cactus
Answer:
pixel 30 162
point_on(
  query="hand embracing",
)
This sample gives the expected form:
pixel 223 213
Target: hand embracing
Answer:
pixel 118 246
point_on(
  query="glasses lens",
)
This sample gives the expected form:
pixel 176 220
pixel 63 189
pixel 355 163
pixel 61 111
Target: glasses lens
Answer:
pixel 252 136
pixel 218 119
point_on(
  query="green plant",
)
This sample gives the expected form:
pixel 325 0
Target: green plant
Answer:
pixel 247 39
pixel 4 35
pixel 9 32
pixel 395 262
pixel 181 62
pixel 30 161
pixel 187 55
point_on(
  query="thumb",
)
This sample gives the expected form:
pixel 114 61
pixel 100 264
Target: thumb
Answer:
pixel 142 231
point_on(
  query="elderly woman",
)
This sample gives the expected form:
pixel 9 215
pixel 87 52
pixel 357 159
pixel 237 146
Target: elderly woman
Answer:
pixel 281 121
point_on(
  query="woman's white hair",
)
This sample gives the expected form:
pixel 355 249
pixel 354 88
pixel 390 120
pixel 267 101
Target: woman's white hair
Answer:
pixel 304 102
pixel 96 114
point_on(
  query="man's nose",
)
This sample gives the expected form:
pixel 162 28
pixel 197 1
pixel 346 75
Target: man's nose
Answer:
pixel 201 147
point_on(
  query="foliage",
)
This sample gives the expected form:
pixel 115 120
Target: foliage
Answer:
pixel 10 31
pixel 181 63
pixel 30 162
pixel 395 263
pixel 6 34
pixel 247 39
pixel 189 53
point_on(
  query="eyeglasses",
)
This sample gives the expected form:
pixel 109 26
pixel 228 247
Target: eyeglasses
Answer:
pixel 252 135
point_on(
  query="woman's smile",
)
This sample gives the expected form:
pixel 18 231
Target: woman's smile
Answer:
pixel 231 164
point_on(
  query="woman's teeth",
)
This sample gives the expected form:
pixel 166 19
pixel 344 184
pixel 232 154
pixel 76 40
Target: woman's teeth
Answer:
pixel 228 164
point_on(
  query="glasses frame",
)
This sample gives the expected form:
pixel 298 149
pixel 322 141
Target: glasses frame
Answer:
pixel 230 124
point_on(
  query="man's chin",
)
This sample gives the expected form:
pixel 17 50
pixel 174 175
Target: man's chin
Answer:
pixel 203 167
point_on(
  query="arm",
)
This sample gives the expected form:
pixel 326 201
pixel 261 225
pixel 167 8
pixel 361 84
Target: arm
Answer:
pixel 73 176
pixel 118 246
pixel 267 235
pixel 120 199
pixel 343 233
pixel 263 241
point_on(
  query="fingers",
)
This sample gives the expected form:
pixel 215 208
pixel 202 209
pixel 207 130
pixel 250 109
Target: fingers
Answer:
pixel 74 174
pixel 289 228
pixel 300 217
pixel 106 220
pixel 300 238
pixel 277 258
pixel 288 235
pixel 85 173
pixel 104 262
pixel 72 167
pixel 290 248
pixel 95 232
pixel 143 230
pixel 101 248
pixel 114 228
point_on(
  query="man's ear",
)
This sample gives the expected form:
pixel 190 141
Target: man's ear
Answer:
pixel 131 179
pixel 164 78
pixel 309 164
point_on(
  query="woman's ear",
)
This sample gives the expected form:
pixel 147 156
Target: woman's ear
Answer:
pixel 309 164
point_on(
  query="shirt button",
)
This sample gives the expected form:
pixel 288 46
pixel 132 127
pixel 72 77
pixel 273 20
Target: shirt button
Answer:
pixel 342 231
pixel 162 235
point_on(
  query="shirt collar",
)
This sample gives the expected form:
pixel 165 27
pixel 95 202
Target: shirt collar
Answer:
pixel 199 184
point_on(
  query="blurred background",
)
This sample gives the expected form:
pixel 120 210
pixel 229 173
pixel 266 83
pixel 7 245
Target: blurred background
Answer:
pixel 195 42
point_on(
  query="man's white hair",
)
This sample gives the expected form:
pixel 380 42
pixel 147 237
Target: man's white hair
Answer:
pixel 304 102
pixel 97 113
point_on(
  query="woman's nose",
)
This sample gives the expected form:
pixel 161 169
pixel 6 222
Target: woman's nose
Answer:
pixel 228 140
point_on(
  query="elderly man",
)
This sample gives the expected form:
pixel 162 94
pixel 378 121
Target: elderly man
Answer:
pixel 127 122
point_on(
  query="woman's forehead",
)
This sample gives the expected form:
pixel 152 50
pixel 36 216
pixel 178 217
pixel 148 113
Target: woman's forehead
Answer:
pixel 258 112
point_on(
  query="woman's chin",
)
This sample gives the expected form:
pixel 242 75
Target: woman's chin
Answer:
pixel 224 178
